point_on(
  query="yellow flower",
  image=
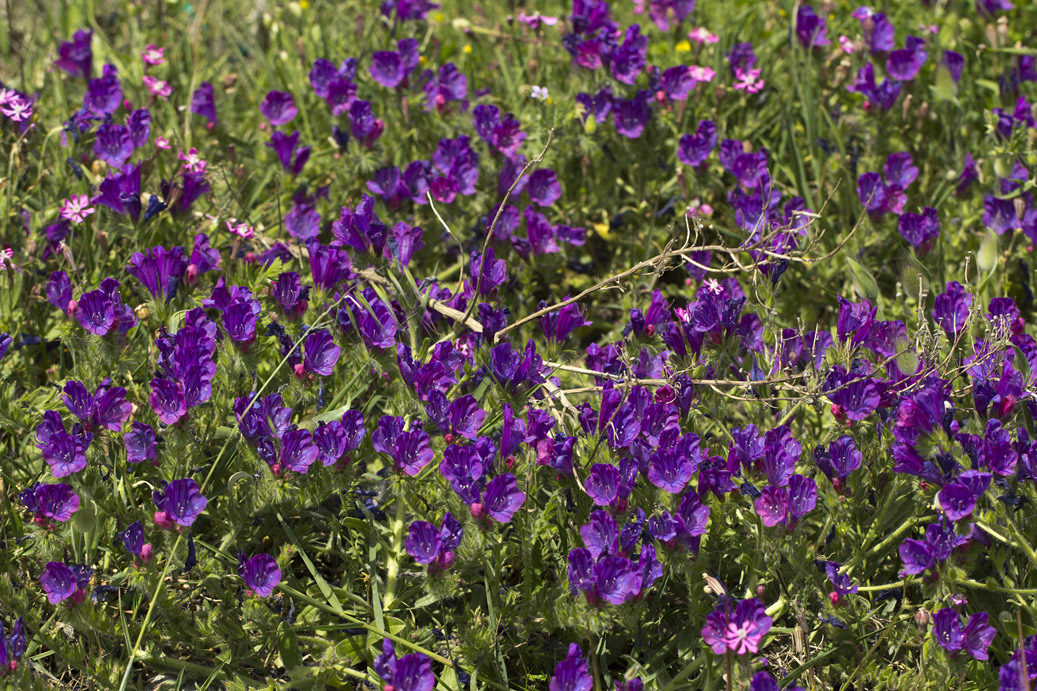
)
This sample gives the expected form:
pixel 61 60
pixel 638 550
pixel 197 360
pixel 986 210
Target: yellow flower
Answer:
pixel 602 229
pixel 550 100
pixel 304 4
pixel 683 47
pixel 422 59
pixel 467 49
pixel 438 17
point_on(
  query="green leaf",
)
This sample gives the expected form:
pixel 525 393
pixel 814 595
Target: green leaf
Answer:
pixel 288 646
pixel 864 283
pixel 987 256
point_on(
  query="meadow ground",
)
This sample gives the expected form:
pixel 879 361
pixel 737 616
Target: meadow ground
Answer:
pixel 661 344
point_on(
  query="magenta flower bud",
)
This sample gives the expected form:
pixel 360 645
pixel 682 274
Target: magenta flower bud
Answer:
pixel 163 521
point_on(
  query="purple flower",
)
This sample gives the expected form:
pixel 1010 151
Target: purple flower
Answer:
pixel 179 502
pixel 133 540
pixel 464 417
pixel 320 353
pixel 328 266
pixel 427 544
pixel 411 451
pixel 297 452
pixel 76 56
pixel 955 63
pixel 96 313
pixel 113 144
pixel 120 192
pixel 501 499
pixel 693 150
pixel 905 63
pixel 999 214
pixel 375 320
pixel 55 502
pixel 920 229
pixel 841 458
pixel 303 222
pixel 104 94
pixel 883 95
pixel 203 102
pixel 61 582
pixel 139 124
pixel 602 484
pixel 559 324
pixel 811 30
pixel 543 187
pixel 331 442
pixel 511 368
pixel 742 57
pixel 360 229
pixel 572 673
pixel 59 290
pixel 855 319
pixel 279 108
pixel 140 443
pixel 951 308
pixel 64 452
pixel 630 117
pixel 740 631
pixel 670 470
pixel 203 258
pixel 989 7
pixel 264 417
pixel 411 672
pixel 854 397
pixel 840 581
pixel 976 637
pixel 261 574
pixel 676 82
pixel 107 407
pixel 290 294
pixel 463 467
pixel 366 128
pixel 160 270
pixel 286 147
pixel 787 505
pixel 958 498
pixel 449 85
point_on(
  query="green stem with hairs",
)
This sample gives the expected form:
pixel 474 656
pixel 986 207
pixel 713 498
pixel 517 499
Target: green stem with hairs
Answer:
pixel 392 569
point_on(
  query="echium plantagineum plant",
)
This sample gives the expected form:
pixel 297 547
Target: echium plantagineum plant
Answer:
pixel 642 345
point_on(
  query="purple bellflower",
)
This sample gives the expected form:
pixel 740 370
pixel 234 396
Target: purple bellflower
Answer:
pixel 261 574
pixel 179 503
pixel 427 544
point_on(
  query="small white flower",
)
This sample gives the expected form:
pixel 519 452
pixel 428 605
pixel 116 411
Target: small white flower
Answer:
pixel 713 286
pixel 539 92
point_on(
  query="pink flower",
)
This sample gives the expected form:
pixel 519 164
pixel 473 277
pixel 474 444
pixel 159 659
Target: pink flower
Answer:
pixel 76 208
pixel 748 81
pixel 157 87
pixel 162 143
pixel 17 108
pixel 243 230
pixel 193 163
pixel 702 74
pixel 701 34
pixel 846 44
pixel 152 55
pixel 697 208
pixel 533 21
pixel 6 255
